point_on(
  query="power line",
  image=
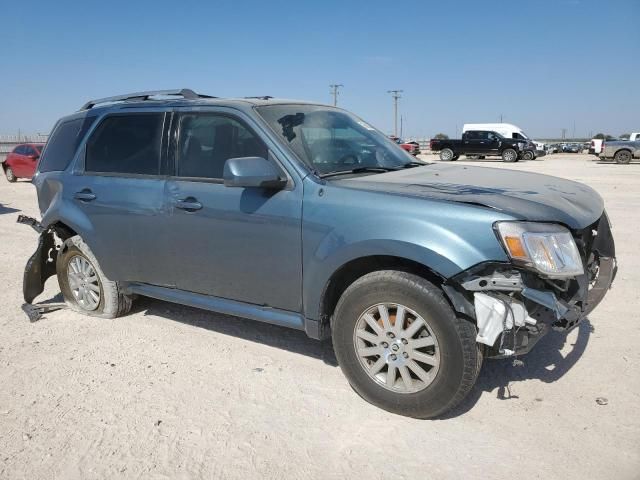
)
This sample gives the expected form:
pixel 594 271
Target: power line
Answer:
pixel 395 94
pixel 334 92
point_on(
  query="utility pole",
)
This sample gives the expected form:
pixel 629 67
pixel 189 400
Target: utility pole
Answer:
pixel 564 133
pixel 574 129
pixel 401 123
pixel 334 92
pixel 500 118
pixel 395 94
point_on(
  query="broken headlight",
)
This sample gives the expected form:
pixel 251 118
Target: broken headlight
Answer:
pixel 547 247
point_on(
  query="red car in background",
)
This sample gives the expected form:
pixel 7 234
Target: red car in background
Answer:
pixel 412 147
pixel 22 161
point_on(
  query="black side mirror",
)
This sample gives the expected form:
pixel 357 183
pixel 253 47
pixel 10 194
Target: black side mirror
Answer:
pixel 252 172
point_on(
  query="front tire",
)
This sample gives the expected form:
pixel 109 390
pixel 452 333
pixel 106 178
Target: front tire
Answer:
pixel 84 286
pixel 509 155
pixel 447 155
pixel 622 157
pixel 401 346
pixel 11 177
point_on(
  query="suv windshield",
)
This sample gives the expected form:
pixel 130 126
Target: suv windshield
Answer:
pixel 332 140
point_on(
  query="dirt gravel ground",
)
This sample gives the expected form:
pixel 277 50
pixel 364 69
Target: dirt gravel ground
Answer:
pixel 173 392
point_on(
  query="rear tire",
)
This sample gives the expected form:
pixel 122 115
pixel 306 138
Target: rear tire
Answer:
pixel 509 155
pixel 84 286
pixel 622 157
pixel 11 177
pixel 528 155
pixel 448 360
pixel 447 155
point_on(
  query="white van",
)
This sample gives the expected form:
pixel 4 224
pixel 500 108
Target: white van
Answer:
pixel 506 130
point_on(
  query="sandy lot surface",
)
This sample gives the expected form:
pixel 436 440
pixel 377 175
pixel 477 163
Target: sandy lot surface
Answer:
pixel 173 392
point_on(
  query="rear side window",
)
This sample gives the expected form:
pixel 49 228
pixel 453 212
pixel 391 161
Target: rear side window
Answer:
pixel 128 144
pixel 63 144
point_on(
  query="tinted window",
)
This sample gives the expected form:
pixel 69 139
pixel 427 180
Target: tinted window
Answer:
pixel 471 135
pixel 207 141
pixel 63 143
pixel 126 144
pixel 19 150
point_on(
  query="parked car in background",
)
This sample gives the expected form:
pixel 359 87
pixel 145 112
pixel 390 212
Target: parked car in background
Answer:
pixel 22 161
pixel 634 136
pixel 572 148
pixel 412 147
pixel 483 143
pixel 553 148
pixel 241 206
pixel 621 151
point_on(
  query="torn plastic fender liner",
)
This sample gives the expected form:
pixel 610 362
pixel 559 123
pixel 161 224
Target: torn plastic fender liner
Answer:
pixel 41 265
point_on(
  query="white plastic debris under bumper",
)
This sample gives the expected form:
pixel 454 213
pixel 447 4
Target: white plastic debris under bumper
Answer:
pixel 495 315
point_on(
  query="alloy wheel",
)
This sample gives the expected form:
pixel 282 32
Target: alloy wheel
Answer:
pixel 83 282
pixel 397 348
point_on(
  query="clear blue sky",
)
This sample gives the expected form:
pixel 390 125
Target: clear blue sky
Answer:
pixel 543 64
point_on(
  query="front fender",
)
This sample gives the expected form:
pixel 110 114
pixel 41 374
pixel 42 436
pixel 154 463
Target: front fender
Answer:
pixel 445 237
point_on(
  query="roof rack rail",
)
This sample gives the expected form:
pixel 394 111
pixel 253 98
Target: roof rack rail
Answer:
pixel 184 92
pixel 263 97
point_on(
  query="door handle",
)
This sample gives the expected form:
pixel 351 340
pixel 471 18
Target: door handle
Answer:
pixel 189 204
pixel 85 195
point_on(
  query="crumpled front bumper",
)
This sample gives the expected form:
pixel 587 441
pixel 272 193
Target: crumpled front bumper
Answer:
pixel 513 308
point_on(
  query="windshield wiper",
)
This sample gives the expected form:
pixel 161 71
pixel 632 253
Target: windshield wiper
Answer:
pixel 358 170
pixel 415 164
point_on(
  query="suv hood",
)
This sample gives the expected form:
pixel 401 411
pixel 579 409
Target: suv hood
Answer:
pixel 523 195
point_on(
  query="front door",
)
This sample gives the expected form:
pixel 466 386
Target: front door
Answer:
pixel 241 244
pixel 494 142
pixel 19 161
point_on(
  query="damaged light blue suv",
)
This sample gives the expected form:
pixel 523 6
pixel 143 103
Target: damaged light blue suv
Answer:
pixel 305 216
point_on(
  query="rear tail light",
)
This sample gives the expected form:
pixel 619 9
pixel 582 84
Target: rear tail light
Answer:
pixel 431 144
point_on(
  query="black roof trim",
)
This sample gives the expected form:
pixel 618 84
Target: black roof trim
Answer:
pixel 186 93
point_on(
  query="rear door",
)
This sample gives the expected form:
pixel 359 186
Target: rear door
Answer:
pixel 474 142
pixel 121 192
pixel 241 244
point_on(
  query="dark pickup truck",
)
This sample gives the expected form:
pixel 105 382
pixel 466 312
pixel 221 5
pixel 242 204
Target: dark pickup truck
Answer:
pixel 480 144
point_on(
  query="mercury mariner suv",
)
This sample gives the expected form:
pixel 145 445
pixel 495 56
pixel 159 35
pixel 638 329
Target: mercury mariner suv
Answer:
pixel 305 216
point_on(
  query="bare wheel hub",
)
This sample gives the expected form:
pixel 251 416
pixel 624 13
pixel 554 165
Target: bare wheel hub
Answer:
pixel 397 348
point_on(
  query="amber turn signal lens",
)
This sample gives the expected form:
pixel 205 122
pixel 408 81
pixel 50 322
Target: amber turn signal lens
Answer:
pixel 516 249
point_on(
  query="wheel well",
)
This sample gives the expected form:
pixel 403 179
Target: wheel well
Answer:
pixel 351 271
pixel 623 150
pixel 63 231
